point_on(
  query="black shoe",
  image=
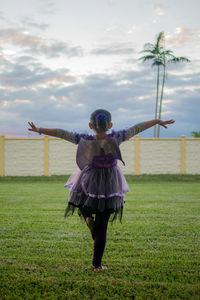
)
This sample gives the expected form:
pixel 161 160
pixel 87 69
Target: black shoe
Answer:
pixel 100 268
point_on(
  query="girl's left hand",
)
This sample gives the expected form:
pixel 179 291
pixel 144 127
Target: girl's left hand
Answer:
pixel 33 127
pixel 164 123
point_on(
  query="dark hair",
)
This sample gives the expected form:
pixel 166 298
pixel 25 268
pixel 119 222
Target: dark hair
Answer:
pixel 100 120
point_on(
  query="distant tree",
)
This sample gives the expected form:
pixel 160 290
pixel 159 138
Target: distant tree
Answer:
pixel 154 54
pixel 195 134
pixel 168 57
pixel 160 57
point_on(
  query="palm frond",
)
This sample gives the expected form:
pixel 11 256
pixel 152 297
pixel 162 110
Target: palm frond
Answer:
pixel 178 59
pixel 147 57
pixel 167 53
pixel 159 38
pixel 158 63
pixel 149 46
pixel 182 58
pixel 146 51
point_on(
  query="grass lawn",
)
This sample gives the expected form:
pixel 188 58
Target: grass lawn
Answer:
pixel 153 254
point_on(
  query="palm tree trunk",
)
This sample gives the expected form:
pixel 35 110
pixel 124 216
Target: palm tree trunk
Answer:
pixel 157 93
pixel 161 98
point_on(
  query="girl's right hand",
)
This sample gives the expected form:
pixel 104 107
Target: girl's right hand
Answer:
pixel 33 127
pixel 164 123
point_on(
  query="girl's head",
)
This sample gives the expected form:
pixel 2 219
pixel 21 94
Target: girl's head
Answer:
pixel 100 120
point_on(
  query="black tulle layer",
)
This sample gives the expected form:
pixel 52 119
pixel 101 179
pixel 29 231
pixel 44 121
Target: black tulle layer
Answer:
pixel 113 214
pixel 112 205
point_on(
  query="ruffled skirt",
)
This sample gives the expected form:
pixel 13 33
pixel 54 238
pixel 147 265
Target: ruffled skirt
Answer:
pixel 97 190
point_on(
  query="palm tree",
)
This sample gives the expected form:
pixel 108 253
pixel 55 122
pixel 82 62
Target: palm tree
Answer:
pixel 154 53
pixel 167 57
pixel 161 58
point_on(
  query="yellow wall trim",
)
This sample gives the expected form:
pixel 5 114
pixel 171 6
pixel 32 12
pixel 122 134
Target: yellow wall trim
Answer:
pixel 137 155
pixel 183 144
pixel 2 155
pixel 46 156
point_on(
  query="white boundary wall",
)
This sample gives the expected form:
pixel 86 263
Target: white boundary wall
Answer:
pixel 52 156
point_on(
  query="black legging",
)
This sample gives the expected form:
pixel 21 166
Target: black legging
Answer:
pixel 101 224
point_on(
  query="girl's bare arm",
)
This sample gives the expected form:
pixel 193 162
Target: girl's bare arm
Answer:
pixel 159 122
pixel 72 137
pixel 125 135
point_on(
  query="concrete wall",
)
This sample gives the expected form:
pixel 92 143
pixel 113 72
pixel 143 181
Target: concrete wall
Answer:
pixel 160 156
pixel 193 156
pixel 24 157
pixel 49 156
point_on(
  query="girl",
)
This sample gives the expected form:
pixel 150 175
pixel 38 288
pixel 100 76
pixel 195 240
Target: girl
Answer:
pixel 99 187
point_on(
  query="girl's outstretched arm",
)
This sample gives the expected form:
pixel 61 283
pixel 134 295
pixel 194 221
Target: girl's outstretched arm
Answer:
pixel 159 122
pixel 72 137
pixel 52 132
pixel 125 135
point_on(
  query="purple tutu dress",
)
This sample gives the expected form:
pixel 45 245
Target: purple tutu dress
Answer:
pixel 99 184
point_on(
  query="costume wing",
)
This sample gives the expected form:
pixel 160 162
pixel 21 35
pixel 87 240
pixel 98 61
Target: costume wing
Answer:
pixel 88 149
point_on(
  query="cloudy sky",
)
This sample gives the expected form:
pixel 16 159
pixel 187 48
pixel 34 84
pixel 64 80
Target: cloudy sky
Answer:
pixel 62 59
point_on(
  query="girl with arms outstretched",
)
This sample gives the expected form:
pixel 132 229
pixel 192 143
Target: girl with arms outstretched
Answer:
pixel 98 189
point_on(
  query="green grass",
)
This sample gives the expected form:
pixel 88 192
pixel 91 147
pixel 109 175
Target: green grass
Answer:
pixel 153 254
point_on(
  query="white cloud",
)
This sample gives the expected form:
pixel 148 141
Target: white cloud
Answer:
pixel 113 28
pixel 31 23
pixel 23 101
pixel 48 7
pixel 36 45
pixel 70 106
pixel 5 103
pixel 1 15
pixel 114 49
pixel 132 29
pixel 121 109
pixel 123 82
pixel 24 72
pixel 159 10
pixel 182 36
